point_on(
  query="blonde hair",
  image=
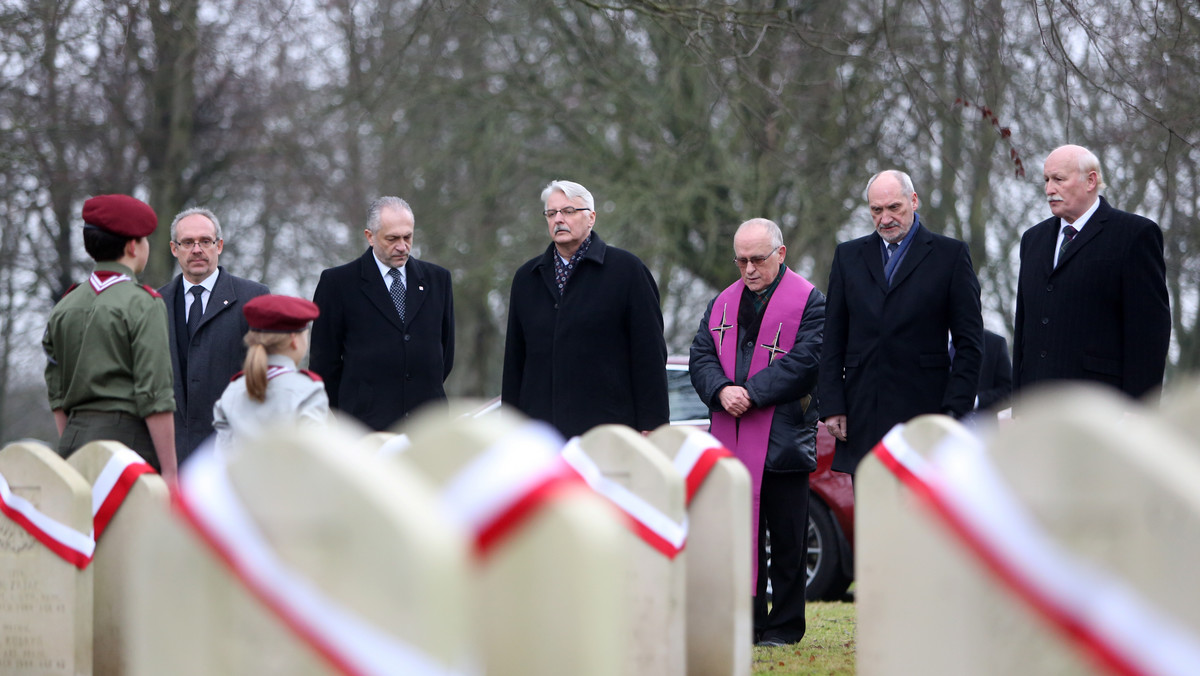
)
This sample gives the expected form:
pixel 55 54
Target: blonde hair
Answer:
pixel 259 344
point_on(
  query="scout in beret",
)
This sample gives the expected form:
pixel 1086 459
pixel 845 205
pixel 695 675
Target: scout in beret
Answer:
pixel 108 363
pixel 272 389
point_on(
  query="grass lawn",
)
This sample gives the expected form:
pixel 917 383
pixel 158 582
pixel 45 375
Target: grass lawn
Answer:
pixel 828 645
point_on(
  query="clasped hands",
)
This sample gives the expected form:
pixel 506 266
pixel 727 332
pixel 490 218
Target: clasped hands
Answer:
pixel 735 400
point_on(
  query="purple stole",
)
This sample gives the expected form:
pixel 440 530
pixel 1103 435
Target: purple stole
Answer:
pixel 747 437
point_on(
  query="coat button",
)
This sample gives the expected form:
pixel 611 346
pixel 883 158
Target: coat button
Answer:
pixel 406 337
pixel 1049 287
pixel 1045 320
pixel 1042 354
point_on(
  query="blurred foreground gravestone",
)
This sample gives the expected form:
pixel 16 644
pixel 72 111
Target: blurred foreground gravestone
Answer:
pixel 1181 408
pixel 125 492
pixel 300 554
pixel 719 587
pixel 639 479
pixel 1068 545
pixel 548 551
pixel 45 577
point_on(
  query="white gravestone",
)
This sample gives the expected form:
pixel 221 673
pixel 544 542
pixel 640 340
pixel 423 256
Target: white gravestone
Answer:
pixel 548 551
pixel 1181 407
pixel 125 491
pixel 1067 546
pixel 45 576
pixel 302 553
pixel 720 621
pixel 632 473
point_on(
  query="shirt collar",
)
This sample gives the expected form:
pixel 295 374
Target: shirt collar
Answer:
pixel 385 271
pixel 208 282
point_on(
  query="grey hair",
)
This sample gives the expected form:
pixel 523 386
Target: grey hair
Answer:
pixel 1089 162
pixel 572 190
pixel 380 204
pixel 906 183
pixel 192 212
pixel 770 226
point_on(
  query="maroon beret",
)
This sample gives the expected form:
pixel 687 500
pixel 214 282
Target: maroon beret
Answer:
pixel 121 215
pixel 284 314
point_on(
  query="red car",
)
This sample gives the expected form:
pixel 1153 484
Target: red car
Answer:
pixel 830 559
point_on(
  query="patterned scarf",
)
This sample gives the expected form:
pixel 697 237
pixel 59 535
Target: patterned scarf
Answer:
pixel 562 272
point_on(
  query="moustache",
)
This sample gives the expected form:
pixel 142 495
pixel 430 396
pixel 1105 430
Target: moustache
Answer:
pixel 561 228
pixel 1056 198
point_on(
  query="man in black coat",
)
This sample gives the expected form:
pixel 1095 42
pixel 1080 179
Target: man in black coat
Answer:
pixel 995 375
pixel 759 387
pixel 585 340
pixel 206 345
pixel 893 296
pixel 1092 298
pixel 384 343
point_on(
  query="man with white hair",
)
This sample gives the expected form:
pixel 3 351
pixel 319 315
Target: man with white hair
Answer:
pixel 1092 298
pixel 585 342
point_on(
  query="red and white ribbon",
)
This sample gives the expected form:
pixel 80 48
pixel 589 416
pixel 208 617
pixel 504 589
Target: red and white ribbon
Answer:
pixel 508 483
pixel 113 484
pixel 1099 613
pixel 346 641
pixel 72 546
pixel 697 456
pixel 645 520
pixel 101 282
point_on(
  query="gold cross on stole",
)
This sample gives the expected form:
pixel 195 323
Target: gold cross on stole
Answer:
pixel 774 348
pixel 721 328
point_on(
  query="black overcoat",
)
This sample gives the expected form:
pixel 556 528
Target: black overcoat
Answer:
pixel 376 368
pixel 1103 314
pixel 593 355
pixel 886 357
pixel 995 375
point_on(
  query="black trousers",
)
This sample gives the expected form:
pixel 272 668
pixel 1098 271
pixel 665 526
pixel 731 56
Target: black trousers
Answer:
pixel 783 510
pixel 87 426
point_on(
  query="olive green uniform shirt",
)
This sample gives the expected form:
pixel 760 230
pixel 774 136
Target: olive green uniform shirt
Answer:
pixel 108 350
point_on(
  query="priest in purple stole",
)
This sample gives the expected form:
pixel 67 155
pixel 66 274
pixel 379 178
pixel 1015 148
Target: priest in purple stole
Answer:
pixel 754 362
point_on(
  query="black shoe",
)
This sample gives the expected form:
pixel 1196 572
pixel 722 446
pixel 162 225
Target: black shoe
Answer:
pixel 771 643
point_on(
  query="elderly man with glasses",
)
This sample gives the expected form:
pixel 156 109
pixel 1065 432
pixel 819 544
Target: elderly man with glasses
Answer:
pixel 585 340
pixel 204 314
pixel 754 362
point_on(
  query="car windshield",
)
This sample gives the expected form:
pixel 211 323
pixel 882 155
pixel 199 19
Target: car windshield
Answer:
pixel 685 403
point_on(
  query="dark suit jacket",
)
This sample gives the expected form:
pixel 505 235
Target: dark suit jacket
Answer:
pixel 376 368
pixel 212 356
pixel 995 376
pixel 1103 314
pixel 885 359
pixel 593 355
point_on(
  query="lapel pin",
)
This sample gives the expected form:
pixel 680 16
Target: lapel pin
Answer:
pixel 420 288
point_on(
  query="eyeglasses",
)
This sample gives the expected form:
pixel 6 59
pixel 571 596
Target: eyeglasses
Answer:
pixel 755 260
pixel 205 243
pixel 566 211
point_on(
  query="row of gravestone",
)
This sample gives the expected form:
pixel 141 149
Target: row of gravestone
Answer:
pixel 1066 541
pixel 481 545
